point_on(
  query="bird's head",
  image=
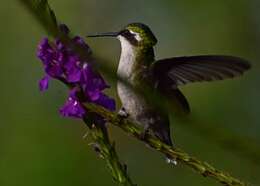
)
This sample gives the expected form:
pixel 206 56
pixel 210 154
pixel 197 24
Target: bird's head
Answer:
pixel 136 34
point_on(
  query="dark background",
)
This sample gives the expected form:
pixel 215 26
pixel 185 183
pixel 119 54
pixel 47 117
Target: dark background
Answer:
pixel 39 147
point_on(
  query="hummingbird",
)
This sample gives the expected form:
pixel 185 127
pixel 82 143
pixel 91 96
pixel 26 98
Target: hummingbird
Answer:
pixel 139 68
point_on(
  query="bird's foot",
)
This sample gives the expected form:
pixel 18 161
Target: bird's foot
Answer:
pixel 171 161
pixel 122 113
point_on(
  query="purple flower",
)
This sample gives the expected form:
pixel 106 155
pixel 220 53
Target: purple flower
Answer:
pixel 106 102
pixel 73 107
pixel 44 83
pixel 92 83
pixel 49 58
pixel 63 63
pixel 60 61
pixel 45 52
pixel 72 69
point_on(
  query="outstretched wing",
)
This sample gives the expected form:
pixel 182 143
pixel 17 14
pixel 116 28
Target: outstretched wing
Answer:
pixel 168 74
pixel 183 70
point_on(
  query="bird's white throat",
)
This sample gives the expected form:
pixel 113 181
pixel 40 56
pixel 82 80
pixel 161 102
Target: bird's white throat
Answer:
pixel 127 58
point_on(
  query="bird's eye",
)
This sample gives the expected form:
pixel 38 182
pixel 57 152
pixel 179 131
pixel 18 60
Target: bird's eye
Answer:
pixel 136 35
pixel 126 33
pixel 131 36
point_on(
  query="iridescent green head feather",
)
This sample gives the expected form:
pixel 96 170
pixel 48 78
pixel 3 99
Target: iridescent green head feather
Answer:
pixel 140 34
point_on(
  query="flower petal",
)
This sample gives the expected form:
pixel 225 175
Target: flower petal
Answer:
pixel 72 69
pixel 72 108
pixel 54 70
pixel 45 52
pixel 92 95
pixel 44 83
pixel 92 82
pixel 106 102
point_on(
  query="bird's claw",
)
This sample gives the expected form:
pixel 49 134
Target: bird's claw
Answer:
pixel 171 161
pixel 122 113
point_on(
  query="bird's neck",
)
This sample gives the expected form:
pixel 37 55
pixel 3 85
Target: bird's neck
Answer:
pixel 134 60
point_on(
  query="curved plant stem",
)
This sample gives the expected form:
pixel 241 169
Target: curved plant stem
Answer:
pixel 201 167
pixel 106 150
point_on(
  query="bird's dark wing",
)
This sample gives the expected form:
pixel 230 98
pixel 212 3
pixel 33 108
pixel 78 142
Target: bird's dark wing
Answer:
pixel 170 73
pixel 183 70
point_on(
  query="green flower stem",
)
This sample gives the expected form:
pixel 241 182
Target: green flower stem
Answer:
pixel 201 167
pixel 106 150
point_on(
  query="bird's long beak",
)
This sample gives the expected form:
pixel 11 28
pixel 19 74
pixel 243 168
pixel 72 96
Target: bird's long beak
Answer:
pixel 107 34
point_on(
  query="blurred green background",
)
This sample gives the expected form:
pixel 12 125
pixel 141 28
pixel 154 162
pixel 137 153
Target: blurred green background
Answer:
pixel 38 147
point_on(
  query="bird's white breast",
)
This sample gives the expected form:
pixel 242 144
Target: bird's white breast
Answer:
pixel 130 100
